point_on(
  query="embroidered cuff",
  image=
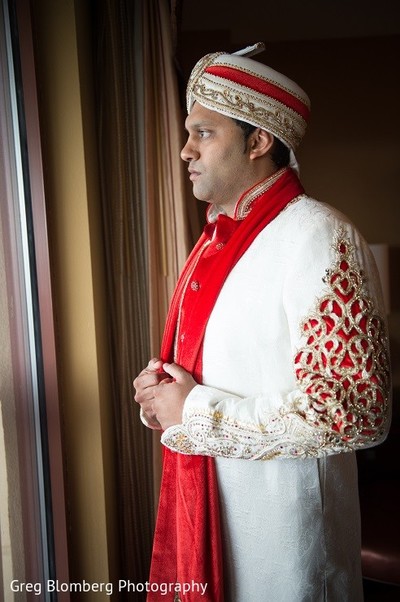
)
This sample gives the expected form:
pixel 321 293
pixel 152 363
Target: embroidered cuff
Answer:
pixel 284 436
pixel 288 433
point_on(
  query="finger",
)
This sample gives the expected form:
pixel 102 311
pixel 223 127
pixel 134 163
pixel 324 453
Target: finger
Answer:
pixel 177 372
pixel 166 381
pixel 154 364
pixel 148 378
pixel 145 380
pixel 144 395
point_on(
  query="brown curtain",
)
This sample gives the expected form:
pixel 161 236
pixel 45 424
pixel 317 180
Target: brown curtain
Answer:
pixel 146 231
pixel 168 221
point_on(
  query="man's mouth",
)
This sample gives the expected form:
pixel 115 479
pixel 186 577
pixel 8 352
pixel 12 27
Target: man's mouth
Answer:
pixel 193 175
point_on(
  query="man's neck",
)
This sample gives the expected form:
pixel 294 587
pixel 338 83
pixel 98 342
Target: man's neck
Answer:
pixel 242 206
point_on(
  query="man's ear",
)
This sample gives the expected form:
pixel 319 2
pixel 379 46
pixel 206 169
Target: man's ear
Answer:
pixel 260 143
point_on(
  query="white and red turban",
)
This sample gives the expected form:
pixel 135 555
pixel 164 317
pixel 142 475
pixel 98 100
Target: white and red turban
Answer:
pixel 242 88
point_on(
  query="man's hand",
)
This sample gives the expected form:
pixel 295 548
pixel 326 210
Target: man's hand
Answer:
pixel 170 395
pixel 145 385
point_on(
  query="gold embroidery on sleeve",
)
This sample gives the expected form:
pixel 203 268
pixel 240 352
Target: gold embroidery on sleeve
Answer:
pixel 344 366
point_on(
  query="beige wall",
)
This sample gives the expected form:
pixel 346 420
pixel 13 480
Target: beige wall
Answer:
pixel 78 278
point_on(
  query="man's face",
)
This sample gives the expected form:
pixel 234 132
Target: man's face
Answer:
pixel 218 165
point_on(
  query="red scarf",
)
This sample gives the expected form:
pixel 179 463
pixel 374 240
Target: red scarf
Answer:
pixel 187 542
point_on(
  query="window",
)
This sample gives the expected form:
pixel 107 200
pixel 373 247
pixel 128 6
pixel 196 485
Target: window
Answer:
pixel 29 529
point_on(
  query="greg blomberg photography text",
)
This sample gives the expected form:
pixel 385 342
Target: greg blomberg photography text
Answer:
pixel 54 585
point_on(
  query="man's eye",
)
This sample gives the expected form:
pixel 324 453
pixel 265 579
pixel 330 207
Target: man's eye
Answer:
pixel 204 133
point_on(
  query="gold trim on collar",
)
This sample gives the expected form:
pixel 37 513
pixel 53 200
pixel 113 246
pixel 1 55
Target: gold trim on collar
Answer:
pixel 244 204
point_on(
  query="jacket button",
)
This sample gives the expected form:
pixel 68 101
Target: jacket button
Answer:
pixel 195 285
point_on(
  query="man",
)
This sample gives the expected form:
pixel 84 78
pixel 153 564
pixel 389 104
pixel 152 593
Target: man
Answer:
pixel 274 367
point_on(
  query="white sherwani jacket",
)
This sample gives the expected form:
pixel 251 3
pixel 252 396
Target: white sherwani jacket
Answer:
pixel 295 373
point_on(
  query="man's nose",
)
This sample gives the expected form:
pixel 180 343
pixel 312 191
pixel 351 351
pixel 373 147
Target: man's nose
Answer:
pixel 188 153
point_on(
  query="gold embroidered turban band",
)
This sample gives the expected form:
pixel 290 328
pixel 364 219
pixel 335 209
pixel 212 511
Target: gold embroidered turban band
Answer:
pixel 239 87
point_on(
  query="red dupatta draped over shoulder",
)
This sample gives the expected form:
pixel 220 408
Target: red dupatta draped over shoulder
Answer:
pixel 187 553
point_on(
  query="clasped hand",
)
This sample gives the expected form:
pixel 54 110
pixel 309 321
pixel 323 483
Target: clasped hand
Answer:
pixel 161 390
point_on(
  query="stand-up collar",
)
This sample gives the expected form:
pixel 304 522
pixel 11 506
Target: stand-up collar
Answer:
pixel 245 203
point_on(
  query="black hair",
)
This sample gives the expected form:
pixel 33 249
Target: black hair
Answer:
pixel 247 128
pixel 280 153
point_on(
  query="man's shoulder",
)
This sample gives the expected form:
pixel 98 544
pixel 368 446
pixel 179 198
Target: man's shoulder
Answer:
pixel 306 215
pixel 313 211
